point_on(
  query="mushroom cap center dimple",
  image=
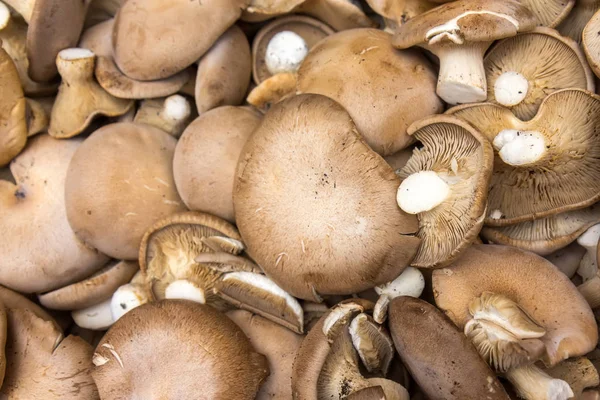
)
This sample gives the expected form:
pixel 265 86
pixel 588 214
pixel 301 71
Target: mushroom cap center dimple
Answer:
pixel 422 191
pixel 511 88
pixel 285 52
pixel 520 148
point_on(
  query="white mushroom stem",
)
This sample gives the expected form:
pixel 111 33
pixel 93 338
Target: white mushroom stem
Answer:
pixel 520 148
pixel 511 88
pixel 96 317
pixel 126 298
pixel 172 115
pixel 4 16
pixel 186 290
pixel 422 191
pixel 23 7
pixel 531 383
pixel 285 52
pixel 588 268
pixel 409 283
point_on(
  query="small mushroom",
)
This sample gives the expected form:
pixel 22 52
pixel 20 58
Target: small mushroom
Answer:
pixel 97 317
pixel 579 373
pixel 172 114
pixel 459 33
pixel 111 208
pixel 549 13
pixel 13 127
pixel 186 349
pixel 580 15
pixel 589 263
pixel 567 259
pixel 409 283
pixel 129 296
pixel 339 14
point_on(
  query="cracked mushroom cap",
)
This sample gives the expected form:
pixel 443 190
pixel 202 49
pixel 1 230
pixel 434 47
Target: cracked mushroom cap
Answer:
pixel 591 44
pixel 154 39
pixel 463 159
pixel 186 350
pixel 521 82
pixel 111 208
pixel 326 180
pixel 42 253
pixel 13 125
pixel 373 82
pixel 438 356
pixel 206 156
pixel 574 25
pixel 553 301
pixel 546 235
pixel 544 166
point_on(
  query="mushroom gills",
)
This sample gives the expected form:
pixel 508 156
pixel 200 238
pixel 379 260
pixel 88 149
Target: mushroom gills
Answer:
pixel 373 344
pixel 410 283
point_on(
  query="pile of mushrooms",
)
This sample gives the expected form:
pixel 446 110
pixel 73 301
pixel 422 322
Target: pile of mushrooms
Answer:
pixel 299 199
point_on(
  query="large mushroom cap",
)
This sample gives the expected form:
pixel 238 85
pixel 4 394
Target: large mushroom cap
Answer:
pixel 591 44
pixel 374 83
pixel 537 286
pixel 110 208
pixel 41 252
pixel 346 233
pixel 177 349
pixel 561 174
pixel 13 127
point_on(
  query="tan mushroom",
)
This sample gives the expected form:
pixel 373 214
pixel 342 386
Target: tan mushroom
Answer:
pixel 112 207
pixel 206 157
pixel 591 44
pixel 272 90
pixel 262 10
pixel 588 267
pixel 98 38
pixel 171 114
pixel 398 12
pixel 374 82
pixel 195 351
pixel 13 127
pixel 37 114
pixel 579 373
pixel 567 259
pixel 100 11
pixel 409 283
pixel 580 15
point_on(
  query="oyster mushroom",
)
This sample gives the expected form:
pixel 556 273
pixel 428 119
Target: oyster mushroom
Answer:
pixel 172 114
pixel 111 208
pixel 206 157
pixel 201 352
pixel 373 82
pixel 13 127
pixel 531 178
pixel 409 283
pixel 325 180
pixel 520 82
pixel 459 33
pixel 580 15
pixel 550 13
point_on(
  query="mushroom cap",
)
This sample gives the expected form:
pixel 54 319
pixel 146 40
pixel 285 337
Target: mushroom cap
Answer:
pixel 341 15
pixel 262 10
pixel 42 253
pixel 558 64
pixel 154 39
pixel 3 335
pixel 439 357
pixel 546 235
pixel 464 158
pixel 278 344
pixel 550 13
pixel 206 157
pixel 13 127
pixel 373 82
pixel 532 282
pixel 591 44
pixel 580 15
pixel 98 39
pixel 326 180
pixel 273 90
pixel 566 178
pixel 111 208
pixel 186 350
pixel 310 29
pixel 472 20
pixel 95 289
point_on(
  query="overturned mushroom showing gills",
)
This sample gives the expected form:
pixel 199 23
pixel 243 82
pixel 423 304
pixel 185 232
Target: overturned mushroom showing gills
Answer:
pixel 580 15
pixel 195 350
pixel 13 128
pixel 326 181
pixel 591 44
pixel 409 283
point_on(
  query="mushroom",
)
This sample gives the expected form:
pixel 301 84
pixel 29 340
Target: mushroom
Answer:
pixel 37 114
pixel 545 235
pixel 100 11
pixel 172 114
pixel 591 44
pixel 399 159
pixel 13 125
pixel 339 14
pixel 262 10
pixel 194 350
pixel 224 72
pixel 98 38
pixel 146 47
pixel 42 253
pixel 272 90
pixel 512 322
pixel 579 373
pixel 550 13
pixel 111 208
pixel 409 283
pixel 372 342
pixel 532 175
pixel 520 82
pixel 445 184
pixel 440 358
pixel 326 180
pixel 97 317
pixel 278 344
pixel 459 33
pixel 575 23
pixel 373 82
pixel 130 295
pixel 206 157
pixel 589 263
pixel 567 259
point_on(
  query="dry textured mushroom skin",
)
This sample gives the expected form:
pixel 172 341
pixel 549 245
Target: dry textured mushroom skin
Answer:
pixel 570 148
pixel 325 181
pixel 373 82
pixel 151 38
pixel 171 114
pixel 440 358
pixel 13 132
pixel 3 335
pixel 550 13
pixel 195 352
pixel 555 303
pixel 398 12
pixel 558 64
pixel 206 157
pixel 455 150
pixel 111 208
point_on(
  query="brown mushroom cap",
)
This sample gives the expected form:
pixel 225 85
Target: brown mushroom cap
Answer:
pixel 42 252
pixel 262 10
pixel 3 335
pixel 591 44
pixel 578 372
pixel 111 208
pixel 339 14
pixel 373 82
pixel 558 64
pixel 148 47
pixel 532 282
pixel 206 157
pixel 186 349
pixel 580 15
pixel 439 357
pixel 272 90
pixel 13 128
pixel 98 38
pixel 567 175
pixel 326 179
pixel 397 12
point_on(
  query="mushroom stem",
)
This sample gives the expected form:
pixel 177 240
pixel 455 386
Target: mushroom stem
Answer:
pixel 520 148
pixel 511 88
pixel 409 283
pixel 422 191
pixel 23 7
pixel 126 298
pixel 588 267
pixel 285 52
pixel 590 290
pixel 96 317
pixel 171 115
pixel 531 383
